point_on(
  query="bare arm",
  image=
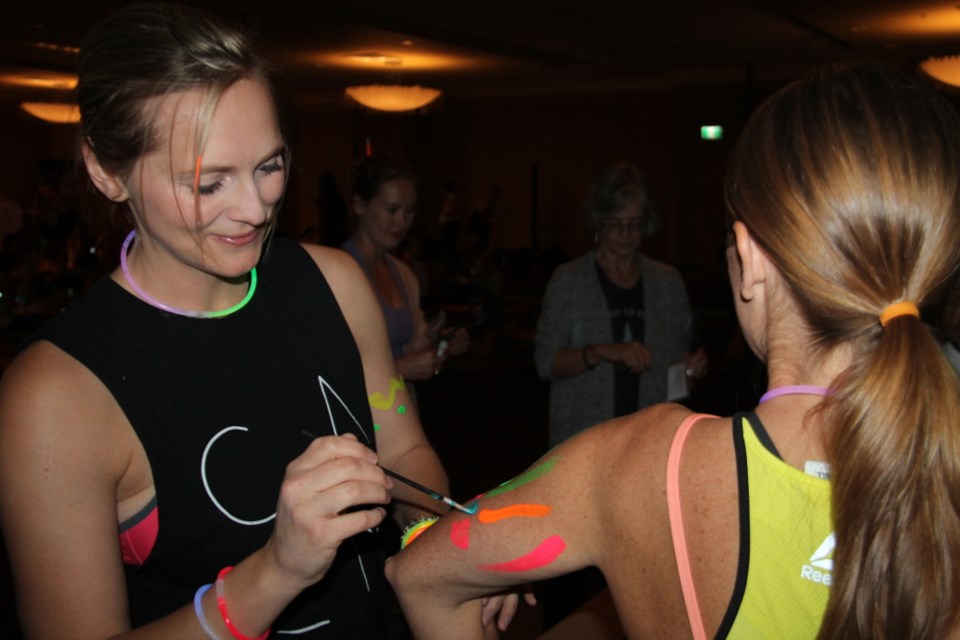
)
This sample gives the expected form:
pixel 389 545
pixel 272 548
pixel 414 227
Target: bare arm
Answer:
pixel 68 457
pixel 597 499
pixel 58 506
pixel 541 524
pixel 401 443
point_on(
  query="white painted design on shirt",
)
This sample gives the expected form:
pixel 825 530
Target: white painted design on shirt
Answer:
pixel 324 387
pixel 206 483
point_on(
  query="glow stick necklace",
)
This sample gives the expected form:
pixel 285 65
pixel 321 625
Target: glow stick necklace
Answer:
pixel 180 312
pixel 796 389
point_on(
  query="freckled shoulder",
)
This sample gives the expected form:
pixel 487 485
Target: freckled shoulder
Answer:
pixel 632 452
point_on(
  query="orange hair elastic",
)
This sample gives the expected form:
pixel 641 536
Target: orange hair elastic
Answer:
pixel 896 310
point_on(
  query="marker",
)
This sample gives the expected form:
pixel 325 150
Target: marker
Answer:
pixel 450 502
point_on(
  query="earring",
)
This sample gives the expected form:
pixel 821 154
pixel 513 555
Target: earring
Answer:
pixel 596 237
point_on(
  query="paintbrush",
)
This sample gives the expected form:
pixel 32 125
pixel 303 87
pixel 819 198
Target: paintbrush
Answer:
pixel 436 495
pixel 430 492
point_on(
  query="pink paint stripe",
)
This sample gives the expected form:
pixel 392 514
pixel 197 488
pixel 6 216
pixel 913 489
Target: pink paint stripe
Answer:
pixel 544 554
pixel 460 533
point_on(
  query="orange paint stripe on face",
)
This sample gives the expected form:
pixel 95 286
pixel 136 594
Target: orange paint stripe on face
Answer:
pixel 486 516
pixel 196 175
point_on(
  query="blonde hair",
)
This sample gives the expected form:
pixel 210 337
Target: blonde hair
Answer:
pixel 848 180
pixel 145 51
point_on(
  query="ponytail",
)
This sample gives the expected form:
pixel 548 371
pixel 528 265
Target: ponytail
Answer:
pixel 848 181
pixel 895 457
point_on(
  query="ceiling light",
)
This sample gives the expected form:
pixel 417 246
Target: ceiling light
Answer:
pixel 393 98
pixel 37 79
pixel 944 69
pixel 57 112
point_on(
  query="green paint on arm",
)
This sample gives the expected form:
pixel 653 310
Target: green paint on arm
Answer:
pixel 527 476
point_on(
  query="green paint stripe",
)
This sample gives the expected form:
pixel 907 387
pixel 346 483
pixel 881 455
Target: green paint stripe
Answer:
pixel 527 476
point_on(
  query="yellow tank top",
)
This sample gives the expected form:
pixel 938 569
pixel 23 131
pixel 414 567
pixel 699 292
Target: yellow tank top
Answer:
pixel 790 543
pixel 786 541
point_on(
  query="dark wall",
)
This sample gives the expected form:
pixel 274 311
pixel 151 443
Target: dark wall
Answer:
pixel 543 150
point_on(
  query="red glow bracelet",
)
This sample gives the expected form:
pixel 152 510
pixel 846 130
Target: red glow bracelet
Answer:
pixel 222 605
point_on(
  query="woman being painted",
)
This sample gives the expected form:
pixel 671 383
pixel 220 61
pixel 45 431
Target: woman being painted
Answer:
pixel 829 510
pixel 188 450
pixel 384 203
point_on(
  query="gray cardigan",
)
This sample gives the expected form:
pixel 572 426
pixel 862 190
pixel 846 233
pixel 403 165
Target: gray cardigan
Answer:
pixel 575 314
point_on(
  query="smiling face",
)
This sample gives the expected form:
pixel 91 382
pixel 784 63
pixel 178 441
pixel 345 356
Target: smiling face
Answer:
pixel 208 214
pixel 385 219
pixel 620 234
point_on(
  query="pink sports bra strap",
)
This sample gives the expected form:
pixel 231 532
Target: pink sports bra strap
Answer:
pixel 676 526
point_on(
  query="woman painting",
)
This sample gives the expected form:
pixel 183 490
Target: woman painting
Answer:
pixel 191 450
pixel 384 203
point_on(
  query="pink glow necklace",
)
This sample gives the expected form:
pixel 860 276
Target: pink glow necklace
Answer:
pixel 180 312
pixel 794 389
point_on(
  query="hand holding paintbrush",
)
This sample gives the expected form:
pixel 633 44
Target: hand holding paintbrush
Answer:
pixel 419 487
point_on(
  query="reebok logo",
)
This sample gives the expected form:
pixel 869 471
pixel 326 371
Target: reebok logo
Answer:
pixel 820 565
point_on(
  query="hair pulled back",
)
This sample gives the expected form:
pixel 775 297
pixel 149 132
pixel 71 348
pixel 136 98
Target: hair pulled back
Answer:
pixel 149 50
pixel 375 170
pixel 848 180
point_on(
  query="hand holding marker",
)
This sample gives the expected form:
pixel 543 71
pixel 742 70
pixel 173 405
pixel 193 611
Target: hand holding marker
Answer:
pixel 436 495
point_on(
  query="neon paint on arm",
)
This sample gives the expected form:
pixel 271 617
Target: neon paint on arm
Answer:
pixel 487 516
pixel 527 476
pixel 460 533
pixel 414 529
pixel 545 553
pixel 385 403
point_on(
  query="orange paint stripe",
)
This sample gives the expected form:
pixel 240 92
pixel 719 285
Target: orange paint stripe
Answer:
pixel 196 175
pixel 487 516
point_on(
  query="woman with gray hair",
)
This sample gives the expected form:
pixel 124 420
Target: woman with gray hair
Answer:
pixel 615 326
pixel 613 321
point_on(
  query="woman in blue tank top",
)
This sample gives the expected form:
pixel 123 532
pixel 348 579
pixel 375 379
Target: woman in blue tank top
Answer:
pixel 384 203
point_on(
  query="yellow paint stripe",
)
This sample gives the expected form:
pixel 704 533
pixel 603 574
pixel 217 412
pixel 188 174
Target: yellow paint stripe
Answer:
pixel 380 401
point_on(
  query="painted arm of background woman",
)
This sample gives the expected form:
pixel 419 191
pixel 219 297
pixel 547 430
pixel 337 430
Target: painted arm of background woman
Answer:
pixel 401 443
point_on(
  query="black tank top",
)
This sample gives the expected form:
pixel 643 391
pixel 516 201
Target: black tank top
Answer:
pixel 221 407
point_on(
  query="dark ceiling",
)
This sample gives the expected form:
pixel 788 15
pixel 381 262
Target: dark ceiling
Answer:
pixel 473 48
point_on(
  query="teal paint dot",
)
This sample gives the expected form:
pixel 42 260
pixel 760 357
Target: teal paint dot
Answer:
pixel 376 427
pixel 402 409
